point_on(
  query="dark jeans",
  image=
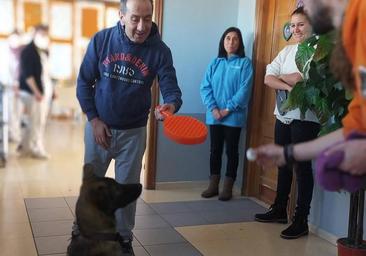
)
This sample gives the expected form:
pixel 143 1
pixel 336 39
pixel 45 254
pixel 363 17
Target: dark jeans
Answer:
pixel 296 131
pixel 219 135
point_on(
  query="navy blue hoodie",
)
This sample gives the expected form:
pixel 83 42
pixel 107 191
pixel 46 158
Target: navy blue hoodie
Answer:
pixel 116 75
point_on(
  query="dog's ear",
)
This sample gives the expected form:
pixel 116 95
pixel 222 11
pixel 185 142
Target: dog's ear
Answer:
pixel 88 172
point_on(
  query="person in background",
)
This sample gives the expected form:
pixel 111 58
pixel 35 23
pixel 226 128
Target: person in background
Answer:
pixel 326 15
pixel 350 67
pixel 282 74
pixel 15 47
pixel 225 91
pixel 36 92
pixel 114 91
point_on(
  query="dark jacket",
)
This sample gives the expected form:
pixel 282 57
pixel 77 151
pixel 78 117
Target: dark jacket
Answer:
pixel 30 65
pixel 116 75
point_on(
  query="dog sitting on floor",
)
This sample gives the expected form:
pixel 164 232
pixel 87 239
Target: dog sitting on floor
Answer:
pixel 98 200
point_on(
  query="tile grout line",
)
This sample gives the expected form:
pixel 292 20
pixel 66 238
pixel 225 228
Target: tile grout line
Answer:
pixel 31 226
pixel 171 225
pixel 153 211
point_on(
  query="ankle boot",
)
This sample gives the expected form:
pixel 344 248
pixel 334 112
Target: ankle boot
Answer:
pixel 213 187
pixel 276 213
pixel 227 191
pixel 298 228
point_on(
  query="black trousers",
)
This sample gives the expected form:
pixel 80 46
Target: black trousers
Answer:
pixel 296 131
pixel 220 135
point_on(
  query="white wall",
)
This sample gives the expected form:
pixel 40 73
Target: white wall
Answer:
pixel 192 29
pixel 246 23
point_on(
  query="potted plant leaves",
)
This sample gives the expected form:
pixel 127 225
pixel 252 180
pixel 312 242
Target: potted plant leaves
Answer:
pixel 319 91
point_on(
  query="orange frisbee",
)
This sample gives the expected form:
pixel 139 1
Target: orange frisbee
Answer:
pixel 184 129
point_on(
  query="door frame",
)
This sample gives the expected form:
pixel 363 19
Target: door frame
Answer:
pixel 152 125
pixel 262 55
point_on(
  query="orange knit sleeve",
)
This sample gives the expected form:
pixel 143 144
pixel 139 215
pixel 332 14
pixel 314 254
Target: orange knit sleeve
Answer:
pixel 354 41
pixel 356 117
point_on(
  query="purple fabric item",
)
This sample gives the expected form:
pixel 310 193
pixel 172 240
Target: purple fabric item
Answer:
pixel 330 177
pixel 326 173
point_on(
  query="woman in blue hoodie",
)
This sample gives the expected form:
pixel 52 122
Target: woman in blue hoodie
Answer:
pixel 225 91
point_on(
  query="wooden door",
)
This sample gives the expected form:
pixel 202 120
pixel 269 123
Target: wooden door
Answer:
pixel 149 164
pixel 32 15
pixel 271 16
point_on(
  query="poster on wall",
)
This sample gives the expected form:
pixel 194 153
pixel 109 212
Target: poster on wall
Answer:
pixel 61 25
pixel 6 17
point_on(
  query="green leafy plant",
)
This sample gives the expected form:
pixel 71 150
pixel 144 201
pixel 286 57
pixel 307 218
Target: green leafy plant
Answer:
pixel 319 91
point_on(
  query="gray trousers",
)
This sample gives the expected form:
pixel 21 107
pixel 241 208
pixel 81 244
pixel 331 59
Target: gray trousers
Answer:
pixel 127 148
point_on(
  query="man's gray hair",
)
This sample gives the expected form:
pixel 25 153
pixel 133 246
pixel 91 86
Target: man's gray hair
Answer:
pixel 123 7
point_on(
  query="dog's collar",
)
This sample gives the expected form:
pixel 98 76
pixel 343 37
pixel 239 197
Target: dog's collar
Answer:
pixel 104 236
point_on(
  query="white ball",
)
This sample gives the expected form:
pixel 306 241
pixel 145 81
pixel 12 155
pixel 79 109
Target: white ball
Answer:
pixel 251 155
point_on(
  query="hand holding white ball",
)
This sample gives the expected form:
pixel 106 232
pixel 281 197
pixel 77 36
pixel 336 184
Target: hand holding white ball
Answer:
pixel 251 154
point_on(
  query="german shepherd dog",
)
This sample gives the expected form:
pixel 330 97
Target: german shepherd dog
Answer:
pixel 98 200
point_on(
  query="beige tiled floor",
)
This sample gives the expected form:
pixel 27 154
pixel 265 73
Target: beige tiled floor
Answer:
pixel 60 177
pixel 252 238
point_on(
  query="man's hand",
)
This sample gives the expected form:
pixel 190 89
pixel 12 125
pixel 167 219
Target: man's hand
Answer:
pixel 270 155
pixel 38 96
pixel 165 107
pixel 354 161
pixel 31 82
pixel 102 134
pixel 216 114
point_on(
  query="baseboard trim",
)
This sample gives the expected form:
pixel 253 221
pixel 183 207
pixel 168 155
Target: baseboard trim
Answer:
pixel 180 184
pixel 190 185
pixel 323 234
pixel 261 203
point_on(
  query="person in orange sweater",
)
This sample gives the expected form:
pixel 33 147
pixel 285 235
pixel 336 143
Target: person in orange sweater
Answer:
pixel 325 15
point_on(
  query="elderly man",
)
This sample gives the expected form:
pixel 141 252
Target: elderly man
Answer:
pixel 113 89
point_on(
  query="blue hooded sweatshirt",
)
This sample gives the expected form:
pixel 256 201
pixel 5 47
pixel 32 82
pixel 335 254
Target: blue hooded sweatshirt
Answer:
pixel 116 75
pixel 227 85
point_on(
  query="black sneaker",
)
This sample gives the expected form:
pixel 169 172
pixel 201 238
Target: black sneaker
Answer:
pixel 298 228
pixel 127 247
pixel 274 214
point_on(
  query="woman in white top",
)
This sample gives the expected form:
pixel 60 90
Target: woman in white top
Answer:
pixel 282 74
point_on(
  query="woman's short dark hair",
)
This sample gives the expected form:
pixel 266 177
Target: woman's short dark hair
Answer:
pixel 300 10
pixel 240 52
